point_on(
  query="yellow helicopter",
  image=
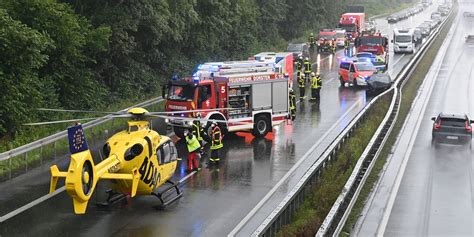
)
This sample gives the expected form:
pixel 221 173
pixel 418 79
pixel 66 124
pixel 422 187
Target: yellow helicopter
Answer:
pixel 138 161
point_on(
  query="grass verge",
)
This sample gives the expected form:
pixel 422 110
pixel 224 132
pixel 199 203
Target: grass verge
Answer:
pixel 324 193
pixel 409 92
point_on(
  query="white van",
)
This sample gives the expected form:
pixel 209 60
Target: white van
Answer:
pixel 403 41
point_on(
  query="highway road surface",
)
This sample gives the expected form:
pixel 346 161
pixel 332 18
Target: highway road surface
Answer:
pixel 427 190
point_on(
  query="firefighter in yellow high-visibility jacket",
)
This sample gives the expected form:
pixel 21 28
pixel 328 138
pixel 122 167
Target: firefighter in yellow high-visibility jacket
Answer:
pixel 315 87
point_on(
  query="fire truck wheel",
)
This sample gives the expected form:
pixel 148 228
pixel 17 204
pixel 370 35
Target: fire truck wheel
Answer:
pixel 261 126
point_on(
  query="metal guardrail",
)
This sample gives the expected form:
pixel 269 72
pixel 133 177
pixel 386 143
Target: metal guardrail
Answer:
pixel 341 209
pixel 285 211
pixel 50 142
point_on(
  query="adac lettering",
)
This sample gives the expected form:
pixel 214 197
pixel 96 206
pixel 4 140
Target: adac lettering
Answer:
pixel 149 173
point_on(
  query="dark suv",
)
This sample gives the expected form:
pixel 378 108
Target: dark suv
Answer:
pixel 452 129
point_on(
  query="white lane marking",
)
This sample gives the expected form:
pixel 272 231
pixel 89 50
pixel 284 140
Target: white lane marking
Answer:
pixel 295 166
pixel 187 177
pixel 31 204
pixel 400 174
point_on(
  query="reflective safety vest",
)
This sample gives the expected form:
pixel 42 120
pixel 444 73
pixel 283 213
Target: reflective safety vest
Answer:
pixel 193 143
pixel 346 43
pixel 299 66
pixel 198 131
pixel 216 136
pixel 315 82
pixel 301 82
pixel 307 66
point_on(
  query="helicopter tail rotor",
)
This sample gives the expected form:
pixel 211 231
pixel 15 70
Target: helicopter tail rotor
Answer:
pixel 83 175
pixel 81 179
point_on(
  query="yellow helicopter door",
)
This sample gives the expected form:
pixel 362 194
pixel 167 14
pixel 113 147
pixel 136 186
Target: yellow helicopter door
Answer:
pixel 167 158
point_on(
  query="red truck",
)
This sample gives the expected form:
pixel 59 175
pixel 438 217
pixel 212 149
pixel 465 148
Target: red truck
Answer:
pixel 327 41
pixel 353 23
pixel 249 95
pixel 374 43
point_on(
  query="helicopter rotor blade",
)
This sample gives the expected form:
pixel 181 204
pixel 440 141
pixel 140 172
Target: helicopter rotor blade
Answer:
pixel 76 111
pixel 190 111
pixel 59 121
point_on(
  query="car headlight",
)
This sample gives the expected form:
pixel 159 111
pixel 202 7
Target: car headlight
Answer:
pixel 190 123
pixel 167 120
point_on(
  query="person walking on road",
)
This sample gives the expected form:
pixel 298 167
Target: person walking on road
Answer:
pixel 216 144
pixel 315 87
pixel 193 150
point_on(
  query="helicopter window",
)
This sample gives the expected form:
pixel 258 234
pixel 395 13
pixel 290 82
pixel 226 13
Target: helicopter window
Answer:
pixel 106 149
pixel 166 152
pixel 133 128
pixel 159 156
pixel 174 152
pixel 133 152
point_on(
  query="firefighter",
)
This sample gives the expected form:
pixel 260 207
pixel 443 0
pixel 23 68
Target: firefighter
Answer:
pixel 193 149
pixel 311 41
pixel 301 85
pixel 292 104
pixel 198 132
pixel 216 143
pixel 315 87
pixel 299 64
pixel 307 67
pixel 346 46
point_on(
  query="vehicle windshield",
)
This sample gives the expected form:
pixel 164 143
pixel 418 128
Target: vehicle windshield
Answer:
pixel 371 41
pixel 365 67
pixel 364 55
pixel 348 28
pixel 294 48
pixel 181 93
pixel 327 37
pixel 340 35
pixel 403 38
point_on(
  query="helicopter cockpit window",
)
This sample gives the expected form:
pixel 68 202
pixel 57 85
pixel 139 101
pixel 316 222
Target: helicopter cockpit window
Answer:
pixel 159 156
pixel 174 152
pixel 166 152
pixel 133 151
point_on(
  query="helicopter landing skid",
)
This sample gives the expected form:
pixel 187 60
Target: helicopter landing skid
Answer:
pixel 112 198
pixel 162 195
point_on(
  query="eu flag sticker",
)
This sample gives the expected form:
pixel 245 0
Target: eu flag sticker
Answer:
pixel 77 139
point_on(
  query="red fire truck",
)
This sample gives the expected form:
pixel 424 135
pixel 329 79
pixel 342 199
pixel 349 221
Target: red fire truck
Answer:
pixel 253 96
pixel 327 41
pixel 374 43
pixel 353 23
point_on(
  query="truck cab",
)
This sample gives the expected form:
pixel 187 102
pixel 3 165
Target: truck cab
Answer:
pixel 374 43
pixel 327 41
